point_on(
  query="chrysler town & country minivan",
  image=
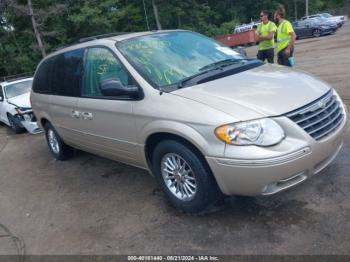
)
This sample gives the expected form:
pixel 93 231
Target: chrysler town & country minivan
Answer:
pixel 203 119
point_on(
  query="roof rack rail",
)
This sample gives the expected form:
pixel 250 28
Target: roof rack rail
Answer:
pixel 16 77
pixel 90 38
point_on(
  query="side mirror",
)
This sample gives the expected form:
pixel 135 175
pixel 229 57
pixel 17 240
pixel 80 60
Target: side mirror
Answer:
pixel 113 87
pixel 1 99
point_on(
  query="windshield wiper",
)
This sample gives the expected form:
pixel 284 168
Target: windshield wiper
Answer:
pixel 223 63
pixel 181 83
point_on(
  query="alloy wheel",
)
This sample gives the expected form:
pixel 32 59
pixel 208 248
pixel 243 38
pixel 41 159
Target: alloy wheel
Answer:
pixel 178 177
pixel 53 142
pixel 317 33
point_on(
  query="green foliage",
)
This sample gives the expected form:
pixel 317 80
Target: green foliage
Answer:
pixel 62 22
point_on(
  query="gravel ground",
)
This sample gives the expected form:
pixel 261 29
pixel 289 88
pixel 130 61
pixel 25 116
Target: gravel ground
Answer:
pixel 91 205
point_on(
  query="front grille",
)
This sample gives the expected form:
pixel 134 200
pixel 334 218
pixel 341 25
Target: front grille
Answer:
pixel 321 117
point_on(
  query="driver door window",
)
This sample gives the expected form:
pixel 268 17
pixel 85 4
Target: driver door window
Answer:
pixel 102 65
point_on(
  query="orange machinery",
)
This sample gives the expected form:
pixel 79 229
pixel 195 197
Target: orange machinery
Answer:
pixel 240 39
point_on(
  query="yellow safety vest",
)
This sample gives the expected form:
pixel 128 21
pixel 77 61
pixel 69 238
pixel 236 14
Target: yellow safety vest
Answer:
pixel 265 30
pixel 283 35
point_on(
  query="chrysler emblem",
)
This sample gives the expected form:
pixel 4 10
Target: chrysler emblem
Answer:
pixel 322 104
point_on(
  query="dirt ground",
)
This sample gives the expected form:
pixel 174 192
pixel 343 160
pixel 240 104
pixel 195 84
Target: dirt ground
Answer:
pixel 90 205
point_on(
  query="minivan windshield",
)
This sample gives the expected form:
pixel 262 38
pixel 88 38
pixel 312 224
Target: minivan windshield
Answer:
pixel 167 58
pixel 18 89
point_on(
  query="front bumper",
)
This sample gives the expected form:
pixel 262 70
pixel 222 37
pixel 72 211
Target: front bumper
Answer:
pixel 266 176
pixel 28 121
pixel 31 127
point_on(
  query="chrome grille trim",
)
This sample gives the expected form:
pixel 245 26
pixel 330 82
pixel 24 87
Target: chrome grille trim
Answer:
pixel 331 129
pixel 325 124
pixel 321 117
pixel 313 115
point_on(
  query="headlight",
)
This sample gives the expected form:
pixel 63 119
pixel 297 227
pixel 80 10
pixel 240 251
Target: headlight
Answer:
pixel 339 99
pixel 261 132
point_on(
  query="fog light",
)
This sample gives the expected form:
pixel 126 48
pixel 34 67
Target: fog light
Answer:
pixel 283 184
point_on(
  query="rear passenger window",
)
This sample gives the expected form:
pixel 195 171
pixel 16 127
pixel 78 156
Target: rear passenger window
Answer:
pixel 42 79
pixel 66 77
pixel 102 65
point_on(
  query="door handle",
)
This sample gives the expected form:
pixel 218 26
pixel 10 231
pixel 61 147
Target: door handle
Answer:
pixel 87 115
pixel 75 114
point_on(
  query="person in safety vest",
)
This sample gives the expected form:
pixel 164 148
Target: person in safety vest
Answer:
pixel 285 38
pixel 266 31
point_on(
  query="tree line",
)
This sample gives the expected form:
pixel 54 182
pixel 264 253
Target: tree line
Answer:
pixel 29 29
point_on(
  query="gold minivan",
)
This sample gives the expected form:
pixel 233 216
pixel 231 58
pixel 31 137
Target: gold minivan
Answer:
pixel 203 119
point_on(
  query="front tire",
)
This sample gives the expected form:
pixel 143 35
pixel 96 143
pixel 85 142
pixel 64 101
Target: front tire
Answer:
pixel 58 148
pixel 184 177
pixel 316 33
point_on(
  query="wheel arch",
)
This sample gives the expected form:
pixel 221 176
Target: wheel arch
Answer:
pixel 7 118
pixel 43 118
pixel 43 121
pixel 155 138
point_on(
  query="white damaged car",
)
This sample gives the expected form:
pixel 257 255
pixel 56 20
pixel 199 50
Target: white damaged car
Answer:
pixel 15 107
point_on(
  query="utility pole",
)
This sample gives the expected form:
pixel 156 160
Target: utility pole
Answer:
pixel 306 7
pixel 144 8
pixel 295 10
pixel 35 28
pixel 155 10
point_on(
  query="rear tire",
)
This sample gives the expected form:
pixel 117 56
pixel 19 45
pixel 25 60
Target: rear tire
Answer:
pixel 14 124
pixel 184 177
pixel 58 148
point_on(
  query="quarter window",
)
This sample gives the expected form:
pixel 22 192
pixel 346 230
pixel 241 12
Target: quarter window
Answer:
pixel 102 65
pixel 67 73
pixel 42 79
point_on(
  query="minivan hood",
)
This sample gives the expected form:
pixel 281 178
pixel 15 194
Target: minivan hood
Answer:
pixel 21 100
pixel 268 90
